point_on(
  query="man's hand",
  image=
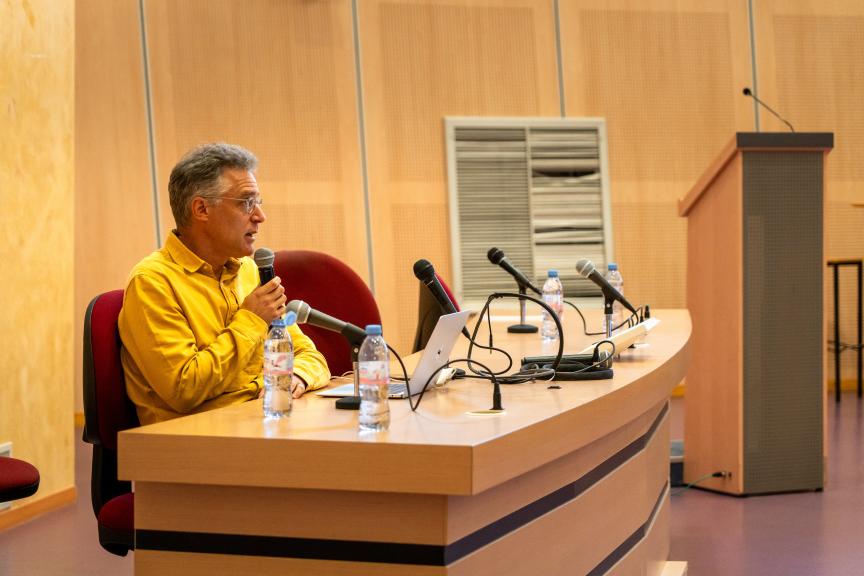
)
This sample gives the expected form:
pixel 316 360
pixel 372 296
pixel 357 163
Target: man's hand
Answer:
pixel 298 386
pixel 267 301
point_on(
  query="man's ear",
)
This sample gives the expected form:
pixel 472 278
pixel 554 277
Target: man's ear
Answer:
pixel 200 208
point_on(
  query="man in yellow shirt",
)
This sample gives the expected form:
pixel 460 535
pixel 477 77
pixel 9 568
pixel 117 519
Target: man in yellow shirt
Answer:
pixel 194 317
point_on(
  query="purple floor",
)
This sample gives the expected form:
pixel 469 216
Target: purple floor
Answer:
pixel 809 534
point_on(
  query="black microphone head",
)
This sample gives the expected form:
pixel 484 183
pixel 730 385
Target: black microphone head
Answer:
pixel 424 270
pixel 495 255
pixel 747 91
pixel 585 267
pixel 264 257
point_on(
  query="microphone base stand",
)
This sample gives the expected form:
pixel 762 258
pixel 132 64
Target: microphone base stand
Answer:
pixel 352 402
pixel 607 311
pixel 523 327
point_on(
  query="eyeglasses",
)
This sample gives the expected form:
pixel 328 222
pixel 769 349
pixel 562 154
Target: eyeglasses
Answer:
pixel 249 202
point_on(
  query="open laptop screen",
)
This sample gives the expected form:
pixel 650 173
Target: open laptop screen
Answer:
pixel 435 354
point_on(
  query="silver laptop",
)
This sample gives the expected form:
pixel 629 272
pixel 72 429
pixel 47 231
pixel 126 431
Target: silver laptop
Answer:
pixel 436 354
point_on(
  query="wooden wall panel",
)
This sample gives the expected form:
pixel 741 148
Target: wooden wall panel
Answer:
pixel 277 78
pixel 423 60
pixel 36 188
pixel 114 216
pixel 809 64
pixel 667 76
pixel 843 240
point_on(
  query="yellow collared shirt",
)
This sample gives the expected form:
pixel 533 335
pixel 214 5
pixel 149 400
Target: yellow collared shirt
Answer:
pixel 187 345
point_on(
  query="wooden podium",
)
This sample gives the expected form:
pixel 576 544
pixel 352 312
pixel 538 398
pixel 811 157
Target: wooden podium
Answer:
pixel 755 388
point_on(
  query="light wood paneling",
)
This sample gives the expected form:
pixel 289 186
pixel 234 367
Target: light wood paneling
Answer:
pixel 714 431
pixel 810 69
pixel 809 63
pixel 114 216
pixel 843 240
pixel 277 78
pixel 36 186
pixel 424 60
pixel 667 76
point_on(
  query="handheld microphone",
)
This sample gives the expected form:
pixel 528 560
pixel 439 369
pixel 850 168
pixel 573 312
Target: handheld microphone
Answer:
pixel 497 257
pixel 748 92
pixel 306 315
pixel 264 259
pixel 586 269
pixel 425 272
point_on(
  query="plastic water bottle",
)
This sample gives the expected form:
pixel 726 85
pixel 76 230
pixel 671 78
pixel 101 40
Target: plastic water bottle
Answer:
pixel 374 367
pixel 278 368
pixel 613 276
pixel 553 295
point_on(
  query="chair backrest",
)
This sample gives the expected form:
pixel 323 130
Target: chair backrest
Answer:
pixel 428 312
pixel 328 285
pixel 107 408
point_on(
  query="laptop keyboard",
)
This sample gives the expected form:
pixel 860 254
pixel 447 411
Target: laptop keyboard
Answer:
pixel 398 389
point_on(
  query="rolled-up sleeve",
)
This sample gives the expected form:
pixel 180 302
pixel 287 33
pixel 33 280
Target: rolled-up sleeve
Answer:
pixel 309 363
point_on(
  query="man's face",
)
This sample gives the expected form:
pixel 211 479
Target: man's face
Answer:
pixel 232 229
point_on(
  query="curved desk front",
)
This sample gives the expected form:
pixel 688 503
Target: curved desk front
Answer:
pixel 569 480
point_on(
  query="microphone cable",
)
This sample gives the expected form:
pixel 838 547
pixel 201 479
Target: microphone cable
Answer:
pixel 572 369
pixel 496 401
pixel 630 321
pixel 522 375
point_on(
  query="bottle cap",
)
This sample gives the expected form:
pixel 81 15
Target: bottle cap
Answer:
pixel 373 330
pixel 612 266
pixel 290 318
pixel 280 321
pixel 553 274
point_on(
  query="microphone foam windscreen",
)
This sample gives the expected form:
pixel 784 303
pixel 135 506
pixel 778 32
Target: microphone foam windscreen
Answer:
pixel 264 257
pixel 585 267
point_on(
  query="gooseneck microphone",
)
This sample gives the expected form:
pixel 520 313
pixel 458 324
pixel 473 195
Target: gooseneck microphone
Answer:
pixel 306 315
pixel 748 92
pixel 586 269
pixel 425 272
pixel 498 258
pixel 264 259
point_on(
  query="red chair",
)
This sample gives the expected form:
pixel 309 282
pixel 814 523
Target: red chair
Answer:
pixel 330 286
pixel 18 479
pixel 428 313
pixel 107 411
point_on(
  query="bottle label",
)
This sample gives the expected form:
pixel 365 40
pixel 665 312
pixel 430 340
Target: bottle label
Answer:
pixel 278 363
pixel 374 373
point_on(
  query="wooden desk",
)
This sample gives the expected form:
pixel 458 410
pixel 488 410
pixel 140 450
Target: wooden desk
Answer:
pixel 568 481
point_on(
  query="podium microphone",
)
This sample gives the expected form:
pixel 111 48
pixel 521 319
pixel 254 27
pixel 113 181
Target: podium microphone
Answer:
pixel 748 92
